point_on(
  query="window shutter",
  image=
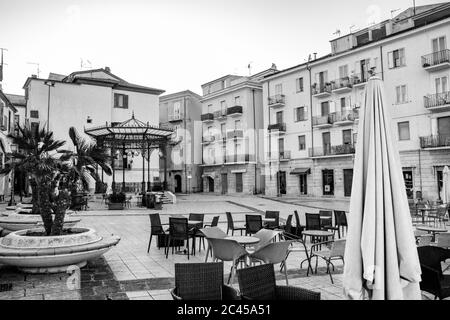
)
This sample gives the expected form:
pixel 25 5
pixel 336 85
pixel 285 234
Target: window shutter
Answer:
pixel 390 60
pixel 305 108
pixel 332 106
pixel 125 101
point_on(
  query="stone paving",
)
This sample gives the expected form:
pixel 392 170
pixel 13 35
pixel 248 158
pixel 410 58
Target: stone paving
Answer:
pixel 128 272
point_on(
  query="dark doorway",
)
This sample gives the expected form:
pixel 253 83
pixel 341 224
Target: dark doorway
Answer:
pixel 303 184
pixel 444 127
pixel 409 184
pixel 328 182
pixel 348 180
pixel 224 183
pixel 239 183
pixel 281 182
pixel 210 184
pixel 177 183
pixel 326 142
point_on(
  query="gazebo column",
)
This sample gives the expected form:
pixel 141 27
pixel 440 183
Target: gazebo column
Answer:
pixel 149 185
pixel 165 167
pixel 143 172
pixel 124 157
pixel 113 157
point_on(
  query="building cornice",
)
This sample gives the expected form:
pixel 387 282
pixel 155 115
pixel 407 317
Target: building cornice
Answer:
pixel 180 94
pixel 239 86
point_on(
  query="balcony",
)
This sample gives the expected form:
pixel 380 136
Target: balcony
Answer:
pixel 237 158
pixel 435 141
pixel 342 85
pixel 436 61
pixel 207 117
pixel 234 111
pixel 323 121
pixel 437 102
pixel 332 151
pixel 220 115
pixel 321 91
pixel 359 80
pixel 279 156
pixel 175 117
pixel 208 139
pixel 346 117
pixel 232 134
pixel 277 101
pixel 277 127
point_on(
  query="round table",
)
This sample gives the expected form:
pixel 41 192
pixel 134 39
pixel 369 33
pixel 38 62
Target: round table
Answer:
pixel 432 230
pixel 317 233
pixel 244 240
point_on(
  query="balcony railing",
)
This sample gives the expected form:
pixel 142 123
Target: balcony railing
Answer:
pixel 237 158
pixel 235 110
pixel 437 100
pixel 221 114
pixel 323 120
pixel 342 84
pixel 436 58
pixel 238 133
pixel 277 100
pixel 281 127
pixel 175 117
pixel 330 150
pixel 435 141
pixel 346 115
pixel 207 117
pixel 208 139
pixel 318 89
pixel 280 155
pixel 359 78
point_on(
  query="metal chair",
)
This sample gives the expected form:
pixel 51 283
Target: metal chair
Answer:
pixel 214 222
pixel 258 283
pixel 443 240
pixel 273 253
pixel 301 247
pixel 265 237
pixel 272 215
pixel 340 222
pixel 298 227
pixel 433 279
pixel 195 229
pixel 228 250
pixel 179 230
pixel 156 228
pixel 212 233
pixel 253 223
pixel 312 221
pixel 201 281
pixel 231 226
pixel 326 223
pixel 335 252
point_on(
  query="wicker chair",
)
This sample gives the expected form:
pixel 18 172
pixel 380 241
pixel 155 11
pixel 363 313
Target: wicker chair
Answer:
pixel 258 283
pixel 433 280
pixel 156 228
pixel 340 222
pixel 272 215
pixel 201 281
pixel 298 227
pixel 253 223
pixel 196 228
pixel 231 226
pixel 179 230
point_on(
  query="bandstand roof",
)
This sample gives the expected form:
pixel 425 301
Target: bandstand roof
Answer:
pixel 130 134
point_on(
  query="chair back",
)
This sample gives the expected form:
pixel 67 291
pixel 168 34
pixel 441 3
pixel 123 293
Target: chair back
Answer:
pixel 226 250
pixel 274 252
pixel 312 221
pixel 155 223
pixel 265 236
pixel 338 248
pixel 340 218
pixel 298 227
pixel 253 223
pixel 178 228
pixel 431 256
pixel 213 232
pixel 327 214
pixel 288 227
pixel 215 221
pixel 441 211
pixel 199 281
pixel 196 216
pixel 258 282
pixel 443 240
pixel 230 220
pixel 424 240
pixel 273 215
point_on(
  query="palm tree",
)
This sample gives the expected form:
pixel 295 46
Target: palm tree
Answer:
pixel 83 162
pixel 36 157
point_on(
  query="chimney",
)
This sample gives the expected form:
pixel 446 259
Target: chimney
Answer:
pixel 315 55
pixel 107 69
pixel 34 76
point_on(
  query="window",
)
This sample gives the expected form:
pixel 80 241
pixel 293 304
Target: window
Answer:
pixel 301 143
pixel 279 117
pixel 237 101
pixel 401 94
pixel 343 102
pixel 35 127
pixel 16 123
pixel 325 108
pixel 34 114
pixel 210 106
pixel 237 124
pixel 279 89
pixel 347 136
pixel 403 130
pixel 343 72
pixel 177 109
pixel 223 129
pixel 223 105
pixel 300 114
pixel 438 44
pixel 441 84
pixel 299 84
pixel 396 58
pixel 120 101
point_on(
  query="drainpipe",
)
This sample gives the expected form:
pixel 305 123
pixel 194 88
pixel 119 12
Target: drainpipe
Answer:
pixel 256 140
pixel 381 61
pixel 185 145
pixel 311 115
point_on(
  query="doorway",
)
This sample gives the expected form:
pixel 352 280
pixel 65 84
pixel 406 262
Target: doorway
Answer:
pixel 210 184
pixel 224 183
pixel 281 181
pixel 303 184
pixel 409 184
pixel 328 182
pixel 326 142
pixel 239 182
pixel 348 180
pixel 177 183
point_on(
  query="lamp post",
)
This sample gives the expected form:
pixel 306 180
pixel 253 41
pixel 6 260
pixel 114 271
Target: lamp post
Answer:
pixel 12 201
pixel 163 156
pixel 49 84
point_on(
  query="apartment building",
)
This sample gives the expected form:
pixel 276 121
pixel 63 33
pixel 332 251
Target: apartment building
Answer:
pixel 89 98
pixel 232 143
pixel 181 112
pixel 311 110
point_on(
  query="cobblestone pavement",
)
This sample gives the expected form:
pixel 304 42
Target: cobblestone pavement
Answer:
pixel 127 271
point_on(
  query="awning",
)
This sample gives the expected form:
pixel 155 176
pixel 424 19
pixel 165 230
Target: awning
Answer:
pixel 301 171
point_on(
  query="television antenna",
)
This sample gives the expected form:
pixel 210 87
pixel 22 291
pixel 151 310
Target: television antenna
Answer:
pixel 337 33
pixel 250 68
pixel 37 69
pixel 83 64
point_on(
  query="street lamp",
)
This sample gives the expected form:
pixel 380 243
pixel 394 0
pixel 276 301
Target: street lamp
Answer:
pixel 12 201
pixel 49 84
pixel 163 156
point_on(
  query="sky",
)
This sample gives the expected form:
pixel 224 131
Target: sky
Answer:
pixel 174 45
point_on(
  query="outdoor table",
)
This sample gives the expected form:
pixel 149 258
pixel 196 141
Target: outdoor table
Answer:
pixel 244 240
pixel 432 230
pixel 317 233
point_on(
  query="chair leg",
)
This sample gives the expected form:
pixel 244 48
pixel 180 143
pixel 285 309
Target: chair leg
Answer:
pixel 207 254
pixel 167 246
pixel 149 243
pixel 285 272
pixel 329 271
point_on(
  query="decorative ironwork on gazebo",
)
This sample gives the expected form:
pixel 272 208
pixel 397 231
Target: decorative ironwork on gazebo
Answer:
pixel 132 135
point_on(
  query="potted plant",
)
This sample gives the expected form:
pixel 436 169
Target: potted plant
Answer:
pixel 53 247
pixel 116 201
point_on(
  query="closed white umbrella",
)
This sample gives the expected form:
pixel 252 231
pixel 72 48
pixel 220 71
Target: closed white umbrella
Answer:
pixel 381 261
pixel 445 196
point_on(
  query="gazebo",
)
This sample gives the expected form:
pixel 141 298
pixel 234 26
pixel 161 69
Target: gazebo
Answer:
pixel 132 135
